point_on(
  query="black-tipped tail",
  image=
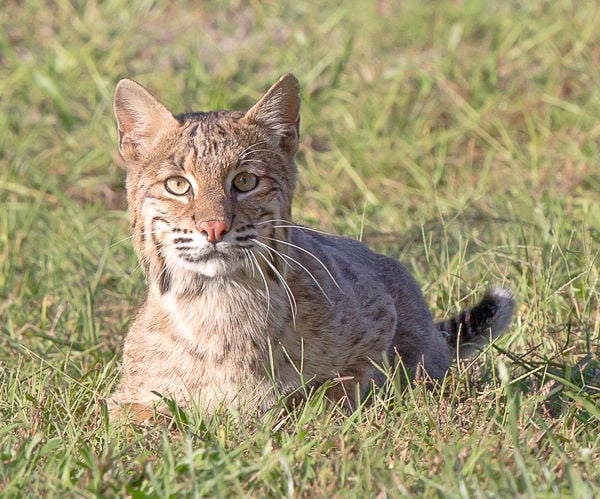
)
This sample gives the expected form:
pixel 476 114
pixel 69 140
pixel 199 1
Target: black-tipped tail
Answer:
pixel 485 321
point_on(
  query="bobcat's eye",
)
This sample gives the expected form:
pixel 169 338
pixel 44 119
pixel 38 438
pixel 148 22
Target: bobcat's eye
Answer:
pixel 177 186
pixel 245 181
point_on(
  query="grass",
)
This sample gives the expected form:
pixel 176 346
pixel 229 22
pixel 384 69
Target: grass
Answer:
pixel 459 136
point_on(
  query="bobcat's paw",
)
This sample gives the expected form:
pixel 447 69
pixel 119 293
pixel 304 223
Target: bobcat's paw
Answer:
pixel 133 412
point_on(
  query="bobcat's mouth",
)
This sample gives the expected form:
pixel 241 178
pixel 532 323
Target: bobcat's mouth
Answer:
pixel 201 256
pixel 210 260
pixel 189 251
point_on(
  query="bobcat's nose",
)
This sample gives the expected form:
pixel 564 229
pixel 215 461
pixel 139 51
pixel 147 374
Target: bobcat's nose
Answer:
pixel 214 229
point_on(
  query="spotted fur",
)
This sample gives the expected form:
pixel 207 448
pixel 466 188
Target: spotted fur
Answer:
pixel 243 305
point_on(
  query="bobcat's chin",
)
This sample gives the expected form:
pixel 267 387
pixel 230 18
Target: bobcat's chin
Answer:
pixel 214 266
pixel 217 267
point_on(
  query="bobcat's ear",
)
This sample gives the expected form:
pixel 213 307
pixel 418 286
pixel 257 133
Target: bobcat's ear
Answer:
pixel 141 120
pixel 279 111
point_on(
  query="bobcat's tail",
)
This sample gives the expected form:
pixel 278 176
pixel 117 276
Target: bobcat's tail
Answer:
pixel 473 327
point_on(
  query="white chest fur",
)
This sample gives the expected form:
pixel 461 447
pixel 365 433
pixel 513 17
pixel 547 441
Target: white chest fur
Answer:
pixel 224 315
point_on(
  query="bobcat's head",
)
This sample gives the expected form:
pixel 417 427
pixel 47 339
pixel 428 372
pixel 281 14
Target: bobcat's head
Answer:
pixel 209 193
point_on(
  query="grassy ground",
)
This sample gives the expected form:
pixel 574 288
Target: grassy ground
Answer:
pixel 460 136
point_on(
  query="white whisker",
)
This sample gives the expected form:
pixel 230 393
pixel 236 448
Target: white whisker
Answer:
pixel 252 152
pixel 138 267
pixel 286 287
pixel 120 241
pixel 162 272
pixel 300 248
pixel 247 261
pixel 132 236
pixel 252 258
pixel 287 257
pixel 250 149
pixel 290 225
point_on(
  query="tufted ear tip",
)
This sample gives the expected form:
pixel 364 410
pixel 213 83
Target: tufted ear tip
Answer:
pixel 279 111
pixel 141 119
pixel 291 84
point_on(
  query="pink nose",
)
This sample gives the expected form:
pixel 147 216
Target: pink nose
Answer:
pixel 214 229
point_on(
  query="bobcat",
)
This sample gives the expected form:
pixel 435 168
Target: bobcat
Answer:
pixel 243 305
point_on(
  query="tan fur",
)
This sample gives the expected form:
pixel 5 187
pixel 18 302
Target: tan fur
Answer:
pixel 248 318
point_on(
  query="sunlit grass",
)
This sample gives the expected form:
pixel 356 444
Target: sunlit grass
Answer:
pixel 461 137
